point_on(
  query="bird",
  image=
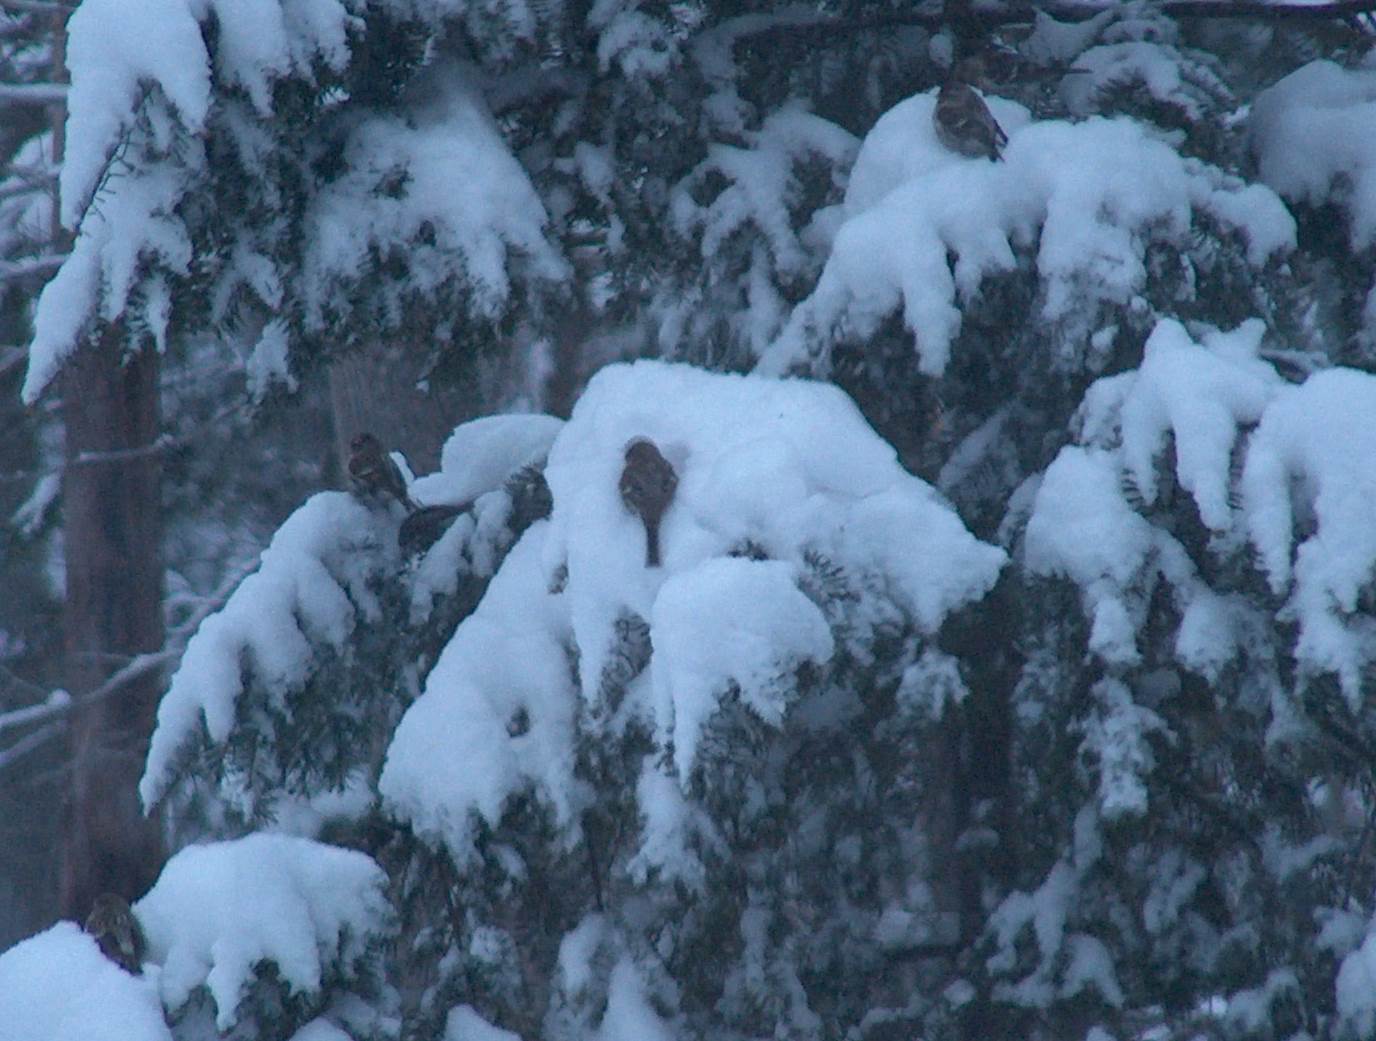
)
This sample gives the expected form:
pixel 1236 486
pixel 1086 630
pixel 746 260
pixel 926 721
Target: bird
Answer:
pixel 116 930
pixel 962 120
pixel 647 487
pixel 374 474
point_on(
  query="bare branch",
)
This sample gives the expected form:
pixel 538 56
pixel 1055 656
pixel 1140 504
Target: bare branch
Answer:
pixel 37 6
pixel 30 266
pixel 33 93
pixel 29 743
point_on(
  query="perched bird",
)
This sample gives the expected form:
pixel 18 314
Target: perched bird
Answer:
pixel 116 930
pixel 647 487
pixel 962 120
pixel 373 472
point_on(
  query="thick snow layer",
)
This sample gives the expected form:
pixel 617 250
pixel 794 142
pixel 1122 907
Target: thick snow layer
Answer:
pixel 629 1015
pixel 1314 135
pixel 763 184
pixel 464 1024
pixel 218 910
pixel 114 50
pixel 57 986
pixel 309 589
pixel 440 184
pixel 787 467
pixel 704 642
pixel 1309 466
pixel 1356 989
pixel 1166 74
pixel 497 712
pixel 482 453
pixel 1303 498
pixel 1201 397
pixel 132 223
pixel 1092 195
pixel 1082 527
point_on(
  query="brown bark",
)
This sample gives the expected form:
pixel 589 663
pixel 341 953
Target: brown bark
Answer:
pixel 113 556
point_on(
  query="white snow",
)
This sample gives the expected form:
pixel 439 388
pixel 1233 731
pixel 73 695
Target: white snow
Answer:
pixel 132 222
pixel 1303 499
pixel 458 748
pixel 124 215
pixel 1091 194
pixel 464 1024
pixel 219 909
pixel 1082 528
pixel 482 453
pixel 1201 397
pixel 1356 989
pixel 629 1015
pixel 705 642
pixel 1160 68
pixel 788 465
pixel 672 829
pixel 1314 135
pixel 1311 459
pixel 440 184
pixel 763 183
pixel 57 986
pixel 309 589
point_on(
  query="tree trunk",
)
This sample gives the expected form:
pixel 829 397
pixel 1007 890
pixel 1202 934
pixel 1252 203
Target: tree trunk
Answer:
pixel 112 548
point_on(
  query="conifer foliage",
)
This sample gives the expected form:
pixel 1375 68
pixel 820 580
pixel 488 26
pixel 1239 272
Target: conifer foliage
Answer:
pixel 1005 666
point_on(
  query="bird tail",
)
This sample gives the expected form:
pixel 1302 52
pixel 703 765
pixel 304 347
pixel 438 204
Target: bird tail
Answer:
pixel 652 543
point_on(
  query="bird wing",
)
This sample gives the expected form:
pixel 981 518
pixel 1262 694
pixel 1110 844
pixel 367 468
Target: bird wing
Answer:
pixel 966 117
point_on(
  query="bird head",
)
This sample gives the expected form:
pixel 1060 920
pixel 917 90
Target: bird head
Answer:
pixel 365 442
pixel 969 70
pixel 641 450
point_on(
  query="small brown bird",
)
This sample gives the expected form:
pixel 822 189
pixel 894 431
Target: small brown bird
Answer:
pixel 373 472
pixel 647 487
pixel 962 120
pixel 116 930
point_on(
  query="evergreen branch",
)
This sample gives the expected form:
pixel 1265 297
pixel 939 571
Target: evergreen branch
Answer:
pixel 1014 14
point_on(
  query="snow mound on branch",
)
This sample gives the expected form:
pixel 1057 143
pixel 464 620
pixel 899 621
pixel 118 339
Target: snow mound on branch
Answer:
pixel 218 910
pixel 464 1024
pixel 1201 398
pixel 1303 499
pixel 149 63
pixel 310 587
pixel 1356 989
pixel 497 712
pixel 1166 74
pixel 1091 195
pixel 705 643
pixel 115 50
pixel 482 453
pixel 57 986
pixel 1319 439
pixel 1314 135
pixel 440 183
pixel 783 469
pixel 1083 529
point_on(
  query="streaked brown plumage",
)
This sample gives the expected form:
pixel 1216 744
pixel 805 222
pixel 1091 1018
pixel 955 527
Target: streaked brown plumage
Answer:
pixel 962 120
pixel 373 472
pixel 647 487
pixel 116 930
